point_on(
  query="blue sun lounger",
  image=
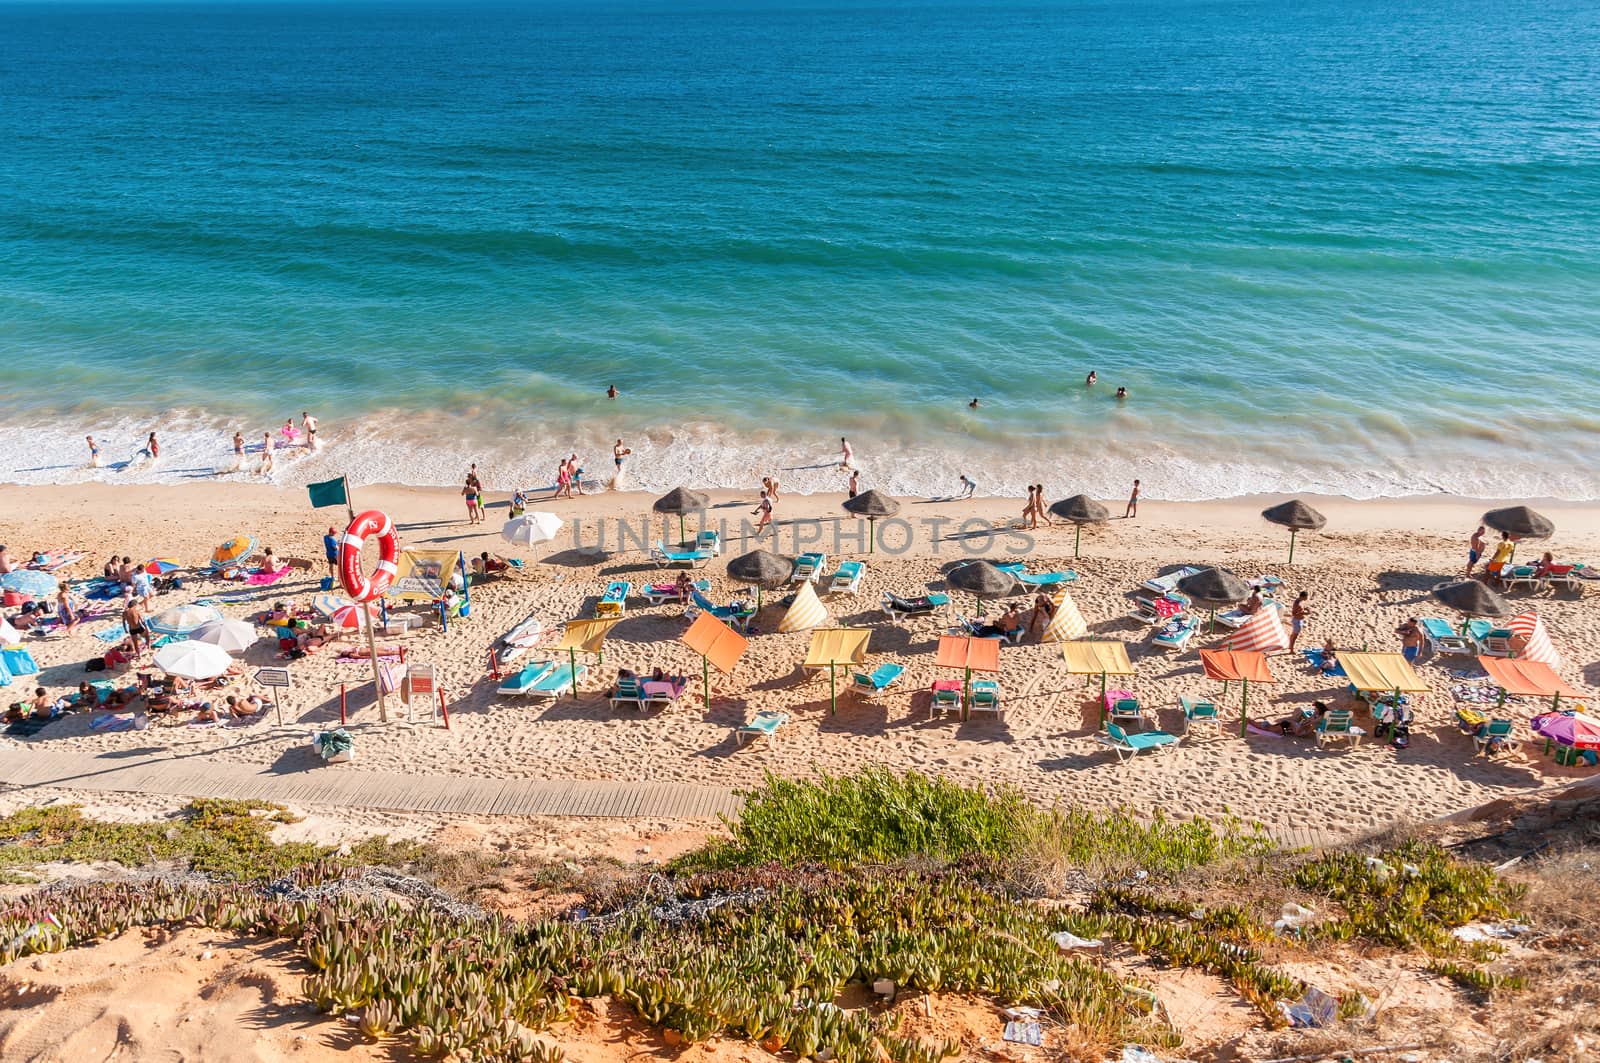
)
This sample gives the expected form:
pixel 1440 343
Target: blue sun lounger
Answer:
pixel 559 682
pixel 614 602
pixel 690 558
pixel 1127 745
pixel 765 724
pixel 519 684
pixel 875 682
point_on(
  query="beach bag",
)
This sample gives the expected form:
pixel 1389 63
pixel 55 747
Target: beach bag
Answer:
pixel 334 747
pixel 95 664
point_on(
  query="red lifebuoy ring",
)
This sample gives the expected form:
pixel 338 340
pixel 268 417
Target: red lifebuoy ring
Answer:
pixel 356 584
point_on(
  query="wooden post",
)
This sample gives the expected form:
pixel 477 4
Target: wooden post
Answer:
pixel 341 705
pixel 372 648
pixel 1244 707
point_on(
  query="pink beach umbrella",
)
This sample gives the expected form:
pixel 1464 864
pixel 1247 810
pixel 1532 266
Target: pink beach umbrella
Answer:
pixel 1569 729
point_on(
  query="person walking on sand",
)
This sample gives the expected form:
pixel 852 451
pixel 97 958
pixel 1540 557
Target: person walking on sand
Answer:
pixel 470 492
pixel 1297 618
pixel 1030 512
pixel 309 423
pixel 764 507
pixel 855 482
pixel 563 481
pixel 266 455
pixel 576 478
pixel 1474 550
pixel 967 487
pixel 94 452
pixel 848 454
pixel 1133 503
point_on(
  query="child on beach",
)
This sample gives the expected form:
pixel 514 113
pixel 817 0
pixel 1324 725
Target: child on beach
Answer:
pixel 1474 549
pixel 310 424
pixel 844 449
pixel 94 453
pixel 765 509
pixel 1133 503
pixel 855 482
pixel 266 455
pixel 619 452
pixel 967 487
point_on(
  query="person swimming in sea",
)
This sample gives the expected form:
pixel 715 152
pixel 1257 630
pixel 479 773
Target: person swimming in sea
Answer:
pixel 1089 380
pixel 1122 393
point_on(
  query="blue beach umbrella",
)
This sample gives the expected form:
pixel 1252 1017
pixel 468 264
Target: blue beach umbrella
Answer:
pixel 30 582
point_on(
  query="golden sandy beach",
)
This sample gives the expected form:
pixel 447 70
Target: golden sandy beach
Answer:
pixel 1368 571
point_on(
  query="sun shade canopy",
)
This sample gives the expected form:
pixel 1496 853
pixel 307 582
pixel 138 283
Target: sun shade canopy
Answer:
pixel 1381 671
pixel 838 645
pixel 1532 678
pixel 1230 666
pixel 585 636
pixel 1105 657
pixel 716 642
pixel 424 574
pixel 965 652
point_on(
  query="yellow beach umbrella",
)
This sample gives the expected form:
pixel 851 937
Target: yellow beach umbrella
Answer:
pixel 588 636
pixel 832 647
pixel 1067 622
pixel 234 550
pixel 1097 657
pixel 806 612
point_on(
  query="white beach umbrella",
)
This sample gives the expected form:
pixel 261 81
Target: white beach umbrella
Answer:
pixel 231 636
pixel 193 660
pixel 181 620
pixel 531 529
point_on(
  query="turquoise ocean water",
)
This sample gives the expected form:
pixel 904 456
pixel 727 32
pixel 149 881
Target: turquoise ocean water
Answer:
pixel 1332 245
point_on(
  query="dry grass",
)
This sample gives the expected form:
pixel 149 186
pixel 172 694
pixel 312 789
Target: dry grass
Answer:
pixel 1558 1019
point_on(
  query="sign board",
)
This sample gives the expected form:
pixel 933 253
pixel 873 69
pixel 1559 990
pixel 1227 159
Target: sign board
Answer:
pixel 273 677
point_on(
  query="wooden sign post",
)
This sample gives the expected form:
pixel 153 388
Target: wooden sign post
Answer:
pixel 275 679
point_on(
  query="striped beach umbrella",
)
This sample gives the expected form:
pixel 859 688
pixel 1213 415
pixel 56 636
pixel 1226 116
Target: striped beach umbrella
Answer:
pixel 1067 623
pixel 160 566
pixel 181 621
pixel 234 550
pixel 1263 633
pixel 1533 641
pixel 325 605
pixel 806 612
pixel 348 617
pixel 31 582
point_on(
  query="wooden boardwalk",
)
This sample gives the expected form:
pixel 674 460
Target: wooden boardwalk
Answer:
pixel 344 787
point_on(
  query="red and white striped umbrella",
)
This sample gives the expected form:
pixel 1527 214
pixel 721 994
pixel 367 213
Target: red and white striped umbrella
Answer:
pixel 349 616
pixel 1263 633
pixel 1533 641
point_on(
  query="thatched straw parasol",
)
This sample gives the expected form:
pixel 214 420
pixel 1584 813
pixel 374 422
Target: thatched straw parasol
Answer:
pixel 982 580
pixel 761 568
pixel 1214 588
pixel 681 500
pixel 1472 598
pixel 1297 517
pixel 1080 510
pixel 872 505
pixel 1520 522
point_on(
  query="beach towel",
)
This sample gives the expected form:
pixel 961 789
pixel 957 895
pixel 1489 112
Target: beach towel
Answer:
pixel 18 661
pixel 1315 659
pixel 102 590
pixel 113 634
pixel 29 727
pixel 266 579
pixel 111 722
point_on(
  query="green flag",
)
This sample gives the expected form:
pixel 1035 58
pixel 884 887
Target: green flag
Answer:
pixel 327 493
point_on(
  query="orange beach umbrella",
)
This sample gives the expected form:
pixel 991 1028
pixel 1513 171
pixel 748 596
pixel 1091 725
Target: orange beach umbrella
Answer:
pixel 717 644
